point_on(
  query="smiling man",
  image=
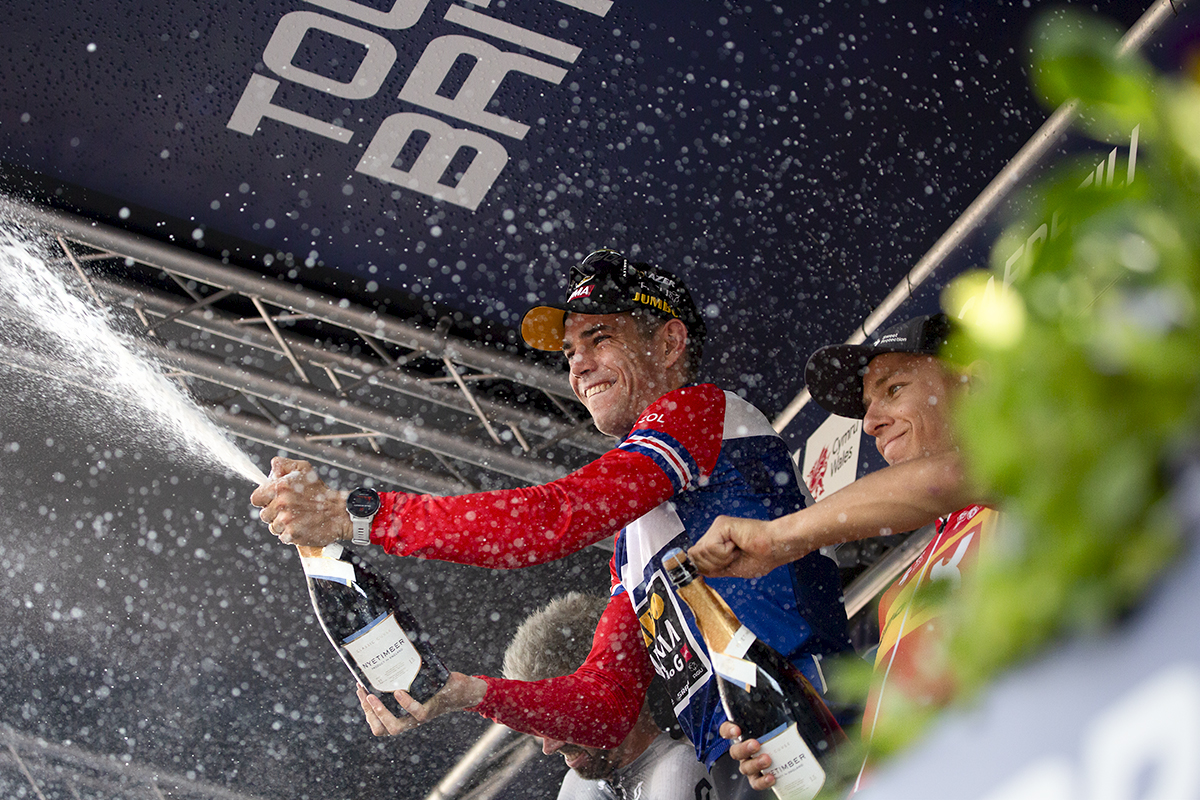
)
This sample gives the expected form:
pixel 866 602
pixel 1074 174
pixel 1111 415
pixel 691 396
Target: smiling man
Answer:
pixel 903 392
pixel 687 453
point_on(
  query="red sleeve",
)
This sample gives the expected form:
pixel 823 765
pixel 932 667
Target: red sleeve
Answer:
pixel 598 704
pixel 535 524
pixel 531 525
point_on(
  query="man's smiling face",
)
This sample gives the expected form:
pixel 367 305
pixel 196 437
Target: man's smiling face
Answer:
pixel 616 370
pixel 906 396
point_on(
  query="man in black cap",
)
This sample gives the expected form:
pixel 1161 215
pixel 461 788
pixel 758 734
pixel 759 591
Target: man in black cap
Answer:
pixel 688 453
pixel 902 390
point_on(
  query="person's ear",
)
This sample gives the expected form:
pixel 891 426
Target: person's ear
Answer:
pixel 674 340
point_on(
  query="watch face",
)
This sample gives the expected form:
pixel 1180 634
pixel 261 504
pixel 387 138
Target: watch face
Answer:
pixel 362 502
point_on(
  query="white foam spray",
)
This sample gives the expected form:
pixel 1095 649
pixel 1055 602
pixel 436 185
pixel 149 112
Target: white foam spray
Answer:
pixel 43 315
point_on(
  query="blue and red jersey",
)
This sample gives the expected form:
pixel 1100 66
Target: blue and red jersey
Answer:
pixel 696 453
pixel 722 458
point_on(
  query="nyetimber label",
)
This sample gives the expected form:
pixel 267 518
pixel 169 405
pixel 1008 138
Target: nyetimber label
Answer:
pixel 385 654
pixel 798 775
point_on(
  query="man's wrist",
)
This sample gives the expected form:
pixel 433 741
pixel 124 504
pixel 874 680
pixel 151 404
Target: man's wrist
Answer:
pixel 470 690
pixel 786 544
pixel 342 529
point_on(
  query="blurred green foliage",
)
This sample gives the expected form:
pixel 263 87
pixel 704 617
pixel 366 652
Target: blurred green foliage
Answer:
pixel 1090 365
pixel 1096 388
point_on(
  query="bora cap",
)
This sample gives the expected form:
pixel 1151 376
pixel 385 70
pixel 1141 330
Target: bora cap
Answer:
pixel 834 374
pixel 608 283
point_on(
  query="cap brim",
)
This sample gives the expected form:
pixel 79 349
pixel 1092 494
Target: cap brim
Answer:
pixel 834 377
pixel 542 327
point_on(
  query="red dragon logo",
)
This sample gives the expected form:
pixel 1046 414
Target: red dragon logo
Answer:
pixel 816 476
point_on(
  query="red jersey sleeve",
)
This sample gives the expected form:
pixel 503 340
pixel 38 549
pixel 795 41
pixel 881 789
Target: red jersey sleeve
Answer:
pixel 598 704
pixel 676 440
pixel 519 527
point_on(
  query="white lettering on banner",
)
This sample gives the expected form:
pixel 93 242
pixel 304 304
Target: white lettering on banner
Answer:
pixel 1023 256
pixel 428 175
pixel 290 32
pixel 403 13
pixel 425 175
pixel 1027 250
pixel 1152 732
pixel 256 104
pixel 1144 747
pixel 468 104
pixel 512 33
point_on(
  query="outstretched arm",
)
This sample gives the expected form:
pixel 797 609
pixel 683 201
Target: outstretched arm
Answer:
pixel 513 528
pixel 894 499
pixel 676 446
pixel 503 529
pixel 596 706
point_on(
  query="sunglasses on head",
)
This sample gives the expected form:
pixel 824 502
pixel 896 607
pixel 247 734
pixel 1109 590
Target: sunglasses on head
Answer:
pixel 594 261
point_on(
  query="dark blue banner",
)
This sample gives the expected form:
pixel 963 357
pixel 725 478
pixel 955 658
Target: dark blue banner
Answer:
pixel 790 160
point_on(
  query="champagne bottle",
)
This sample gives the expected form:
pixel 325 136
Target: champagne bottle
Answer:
pixel 761 691
pixel 374 634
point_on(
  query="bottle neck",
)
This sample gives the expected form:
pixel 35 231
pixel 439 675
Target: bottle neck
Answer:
pixel 310 552
pixel 714 617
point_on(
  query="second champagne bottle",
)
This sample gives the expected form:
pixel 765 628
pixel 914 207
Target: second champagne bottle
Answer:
pixel 761 691
pixel 371 630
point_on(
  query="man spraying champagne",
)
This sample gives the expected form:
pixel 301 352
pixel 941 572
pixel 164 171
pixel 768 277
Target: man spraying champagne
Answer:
pixel 688 452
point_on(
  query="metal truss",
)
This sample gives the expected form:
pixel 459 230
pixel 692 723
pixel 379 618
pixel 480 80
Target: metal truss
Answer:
pixel 339 384
pixel 322 377
pixel 32 767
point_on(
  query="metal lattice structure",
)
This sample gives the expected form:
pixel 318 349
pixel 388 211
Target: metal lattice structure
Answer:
pixel 33 767
pixel 323 378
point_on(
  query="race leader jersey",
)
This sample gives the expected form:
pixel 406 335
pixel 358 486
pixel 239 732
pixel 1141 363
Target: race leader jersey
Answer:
pixel 696 453
pixel 722 457
pixel 910 666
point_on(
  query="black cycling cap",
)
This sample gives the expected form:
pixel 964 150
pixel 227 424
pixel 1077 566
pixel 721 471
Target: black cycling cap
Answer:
pixel 608 283
pixel 834 374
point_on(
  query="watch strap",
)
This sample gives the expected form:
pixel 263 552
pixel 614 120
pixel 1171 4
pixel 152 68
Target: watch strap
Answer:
pixel 362 529
pixel 365 501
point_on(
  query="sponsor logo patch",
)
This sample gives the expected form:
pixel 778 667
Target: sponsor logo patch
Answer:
pixel 676 656
pixel 654 302
pixel 582 291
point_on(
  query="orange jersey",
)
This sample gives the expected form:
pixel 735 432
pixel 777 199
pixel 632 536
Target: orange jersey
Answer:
pixel 910 662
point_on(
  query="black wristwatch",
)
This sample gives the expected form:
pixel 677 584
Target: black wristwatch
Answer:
pixel 362 504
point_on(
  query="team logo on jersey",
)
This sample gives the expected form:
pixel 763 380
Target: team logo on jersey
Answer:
pixel 676 656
